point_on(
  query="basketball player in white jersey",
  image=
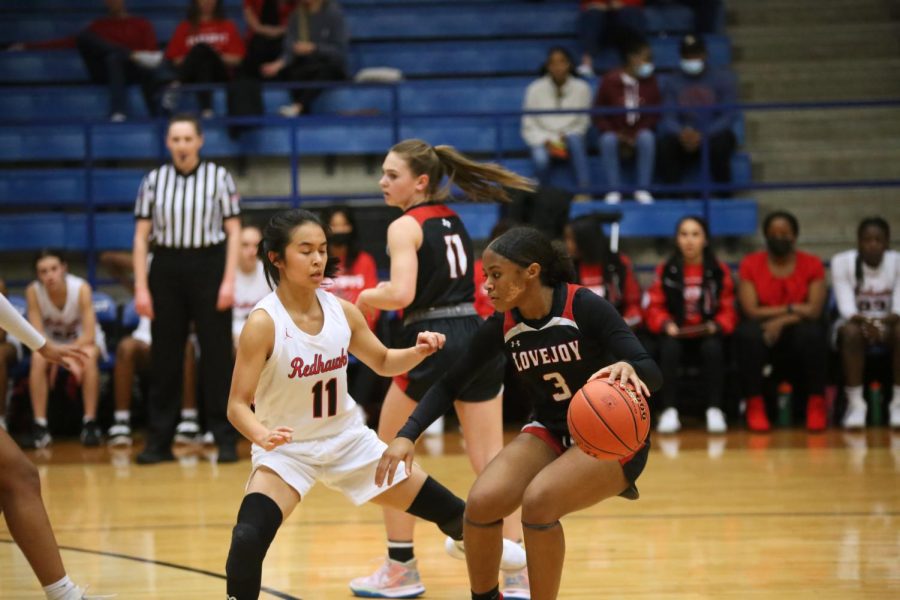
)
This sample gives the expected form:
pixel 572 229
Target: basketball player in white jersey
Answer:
pixel 20 484
pixel 291 368
pixel 866 285
pixel 250 280
pixel 60 306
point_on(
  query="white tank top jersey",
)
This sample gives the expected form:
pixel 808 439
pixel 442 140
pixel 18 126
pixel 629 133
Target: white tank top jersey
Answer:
pixel 61 325
pixel 248 290
pixel 879 293
pixel 304 383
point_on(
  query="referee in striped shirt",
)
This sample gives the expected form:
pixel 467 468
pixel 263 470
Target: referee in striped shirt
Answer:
pixel 189 212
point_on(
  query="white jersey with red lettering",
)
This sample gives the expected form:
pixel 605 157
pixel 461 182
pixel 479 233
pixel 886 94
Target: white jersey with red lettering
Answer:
pixel 249 288
pixel 304 382
pixel 63 325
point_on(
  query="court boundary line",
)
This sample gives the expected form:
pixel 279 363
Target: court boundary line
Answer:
pixel 162 563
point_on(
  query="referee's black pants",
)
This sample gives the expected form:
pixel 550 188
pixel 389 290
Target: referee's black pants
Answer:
pixel 185 286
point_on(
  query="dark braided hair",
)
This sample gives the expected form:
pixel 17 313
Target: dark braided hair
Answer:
pixel 526 245
pixel 879 223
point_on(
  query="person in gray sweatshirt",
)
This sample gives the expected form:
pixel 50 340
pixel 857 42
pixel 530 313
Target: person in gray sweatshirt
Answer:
pixel 315 49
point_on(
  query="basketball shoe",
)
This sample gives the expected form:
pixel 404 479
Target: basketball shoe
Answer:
pixel 757 420
pixel 394 579
pixel 119 434
pixel 80 593
pixel 515 585
pixel 513 558
pixel 188 432
pixel 816 414
pixel 668 421
pixel 715 420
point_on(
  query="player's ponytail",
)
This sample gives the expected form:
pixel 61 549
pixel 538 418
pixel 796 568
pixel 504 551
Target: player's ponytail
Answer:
pixel 480 182
pixel 277 236
pixel 526 246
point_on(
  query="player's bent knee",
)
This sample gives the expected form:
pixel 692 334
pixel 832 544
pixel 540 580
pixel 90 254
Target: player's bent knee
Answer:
pixel 21 476
pixel 485 507
pixel 540 526
pixel 538 506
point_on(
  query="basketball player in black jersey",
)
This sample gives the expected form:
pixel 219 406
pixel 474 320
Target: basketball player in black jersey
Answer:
pixel 432 282
pixel 558 336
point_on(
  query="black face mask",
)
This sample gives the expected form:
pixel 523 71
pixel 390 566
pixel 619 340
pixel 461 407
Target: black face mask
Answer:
pixel 779 247
pixel 340 239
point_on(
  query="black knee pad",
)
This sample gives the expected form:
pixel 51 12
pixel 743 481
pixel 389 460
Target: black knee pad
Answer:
pixel 258 521
pixel 439 505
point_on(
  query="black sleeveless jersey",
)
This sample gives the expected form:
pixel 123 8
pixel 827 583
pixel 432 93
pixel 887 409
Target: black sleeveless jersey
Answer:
pixel 553 357
pixel 446 260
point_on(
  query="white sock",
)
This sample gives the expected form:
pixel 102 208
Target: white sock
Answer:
pixel 41 421
pixel 854 395
pixel 895 399
pixel 122 415
pixel 189 414
pixel 58 590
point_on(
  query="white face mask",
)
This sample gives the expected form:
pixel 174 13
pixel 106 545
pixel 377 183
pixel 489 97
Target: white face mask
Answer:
pixel 645 70
pixel 692 66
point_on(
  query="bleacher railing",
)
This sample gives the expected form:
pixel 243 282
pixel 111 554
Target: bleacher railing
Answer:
pixel 703 188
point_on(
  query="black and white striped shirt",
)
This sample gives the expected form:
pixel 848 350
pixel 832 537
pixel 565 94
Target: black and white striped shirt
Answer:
pixel 187 210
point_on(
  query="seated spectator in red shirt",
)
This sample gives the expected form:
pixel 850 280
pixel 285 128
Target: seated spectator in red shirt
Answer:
pixel 117 50
pixel 782 293
pixel 629 135
pixel 605 23
pixel 691 308
pixel 266 23
pixel 204 49
pixel 608 274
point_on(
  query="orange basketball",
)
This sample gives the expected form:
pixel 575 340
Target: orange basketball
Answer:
pixel 607 421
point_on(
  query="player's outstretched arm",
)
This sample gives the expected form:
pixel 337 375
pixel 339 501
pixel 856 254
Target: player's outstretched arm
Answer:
pixel 387 362
pixel 254 347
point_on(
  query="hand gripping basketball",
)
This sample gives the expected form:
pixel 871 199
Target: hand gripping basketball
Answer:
pixel 608 420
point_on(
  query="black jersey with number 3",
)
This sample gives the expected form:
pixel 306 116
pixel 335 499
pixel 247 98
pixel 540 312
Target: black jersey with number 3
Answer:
pixel 445 258
pixel 553 356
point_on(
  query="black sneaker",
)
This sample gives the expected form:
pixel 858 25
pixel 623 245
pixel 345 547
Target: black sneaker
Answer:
pixel 90 434
pixel 40 435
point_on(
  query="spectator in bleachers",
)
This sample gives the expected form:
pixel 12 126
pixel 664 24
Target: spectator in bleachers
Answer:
pixel 606 273
pixel 558 136
pixel 191 280
pixel 682 131
pixel 266 23
pixel 629 135
pixel 316 45
pixel 205 48
pixel 117 50
pixel 356 270
pixel 250 285
pixel 866 284
pixel 782 294
pixel 691 308
pixel 61 308
pixel 133 357
pixel 607 23
pixel 9 355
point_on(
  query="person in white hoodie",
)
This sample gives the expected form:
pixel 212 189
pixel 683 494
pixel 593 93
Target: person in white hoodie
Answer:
pixel 559 136
pixel 866 284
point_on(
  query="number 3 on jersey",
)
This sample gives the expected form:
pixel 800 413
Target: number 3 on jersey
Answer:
pixel 331 388
pixel 456 256
pixel 559 384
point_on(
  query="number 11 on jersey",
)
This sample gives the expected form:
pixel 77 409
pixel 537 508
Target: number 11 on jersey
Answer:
pixel 456 256
pixel 331 388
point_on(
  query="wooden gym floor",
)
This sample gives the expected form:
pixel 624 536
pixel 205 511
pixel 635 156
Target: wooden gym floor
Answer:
pixel 786 515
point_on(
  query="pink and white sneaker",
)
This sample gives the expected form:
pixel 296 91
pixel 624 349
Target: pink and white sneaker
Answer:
pixel 515 585
pixel 393 579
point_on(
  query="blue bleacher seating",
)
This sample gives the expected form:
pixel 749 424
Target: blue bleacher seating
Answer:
pixel 19 303
pixel 130 317
pixel 414 58
pixel 105 308
pixel 726 217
